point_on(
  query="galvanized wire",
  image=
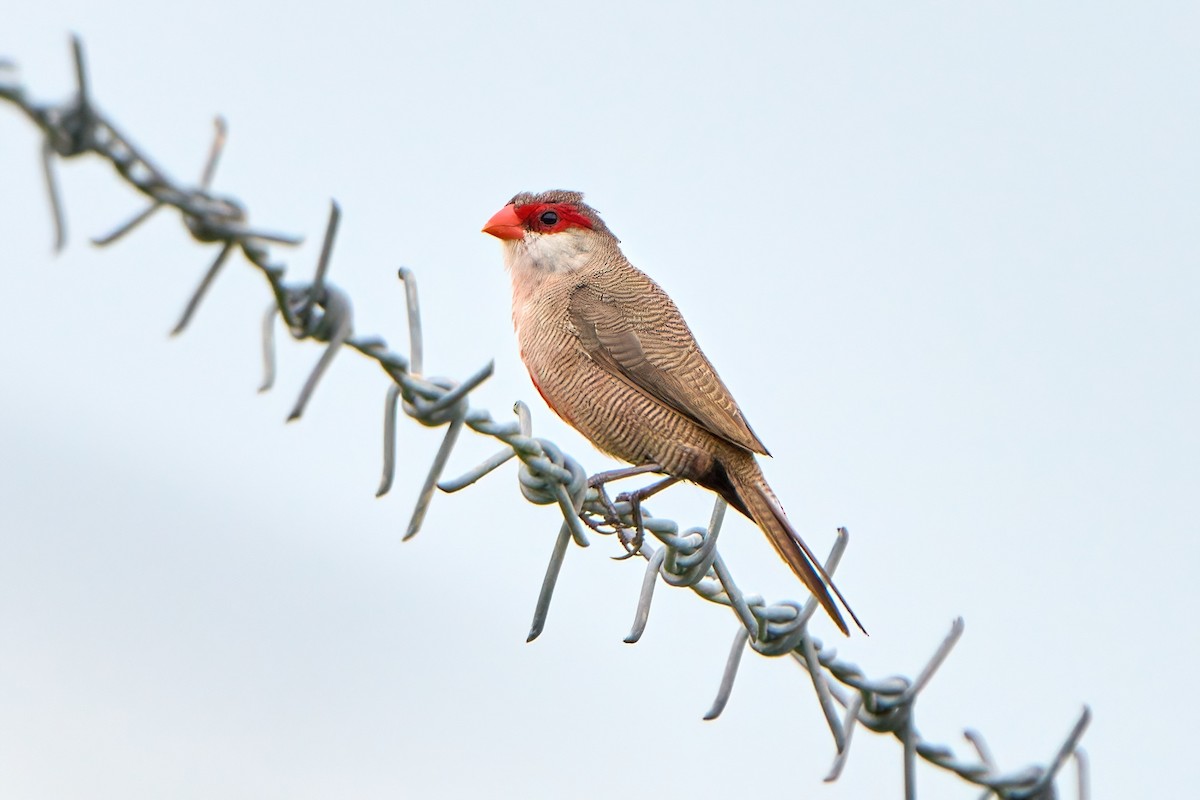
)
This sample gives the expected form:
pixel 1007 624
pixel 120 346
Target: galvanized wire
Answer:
pixel 319 311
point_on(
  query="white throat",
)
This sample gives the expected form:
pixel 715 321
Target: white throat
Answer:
pixel 544 254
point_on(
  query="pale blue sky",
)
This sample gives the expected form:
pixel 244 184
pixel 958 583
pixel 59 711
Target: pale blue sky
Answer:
pixel 944 255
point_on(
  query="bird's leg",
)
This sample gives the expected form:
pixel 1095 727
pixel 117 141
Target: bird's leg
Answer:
pixel 598 481
pixel 601 478
pixel 635 499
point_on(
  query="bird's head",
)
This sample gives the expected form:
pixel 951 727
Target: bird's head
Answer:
pixel 549 232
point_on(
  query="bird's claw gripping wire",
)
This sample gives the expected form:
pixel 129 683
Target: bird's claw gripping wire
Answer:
pixel 608 512
pixel 634 499
pixel 612 515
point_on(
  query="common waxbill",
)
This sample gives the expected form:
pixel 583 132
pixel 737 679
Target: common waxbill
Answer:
pixel 611 354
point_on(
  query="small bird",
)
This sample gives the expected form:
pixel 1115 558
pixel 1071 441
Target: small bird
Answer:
pixel 611 354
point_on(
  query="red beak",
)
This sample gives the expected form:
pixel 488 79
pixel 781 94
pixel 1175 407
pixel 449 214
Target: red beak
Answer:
pixel 505 224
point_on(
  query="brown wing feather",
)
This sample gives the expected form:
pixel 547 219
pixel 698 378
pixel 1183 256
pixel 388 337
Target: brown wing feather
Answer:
pixel 641 336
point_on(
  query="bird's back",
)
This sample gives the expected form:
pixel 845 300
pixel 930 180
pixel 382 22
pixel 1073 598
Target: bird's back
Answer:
pixel 611 353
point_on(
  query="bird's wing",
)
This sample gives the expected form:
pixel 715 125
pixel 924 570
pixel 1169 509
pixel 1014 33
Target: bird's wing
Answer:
pixel 644 339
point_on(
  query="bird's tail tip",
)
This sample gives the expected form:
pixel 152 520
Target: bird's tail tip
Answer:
pixel 799 557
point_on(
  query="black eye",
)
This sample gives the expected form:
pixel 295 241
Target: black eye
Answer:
pixel 548 218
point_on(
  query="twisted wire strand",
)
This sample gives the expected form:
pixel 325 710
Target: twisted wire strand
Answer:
pixel 319 311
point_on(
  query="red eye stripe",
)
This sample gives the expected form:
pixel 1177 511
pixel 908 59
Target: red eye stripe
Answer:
pixel 568 216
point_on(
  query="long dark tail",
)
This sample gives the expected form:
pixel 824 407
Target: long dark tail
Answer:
pixel 754 498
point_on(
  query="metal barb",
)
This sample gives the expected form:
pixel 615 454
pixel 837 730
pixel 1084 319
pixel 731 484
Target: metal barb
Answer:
pixel 475 473
pixel 435 471
pixel 524 419
pixel 542 609
pixel 841 737
pixel 331 227
pixel 843 755
pixel 1069 746
pixel 341 332
pixel 268 350
pixel 649 580
pixel 416 345
pixel 81 76
pixel 981 747
pixel 220 132
pixel 740 637
pixel 389 439
pixel 209 276
pixel 736 599
pixel 571 529
pixel 1082 774
pixel 956 631
pixel 459 392
pixel 54 195
pixel 493 462
pixel 908 737
pixel 129 225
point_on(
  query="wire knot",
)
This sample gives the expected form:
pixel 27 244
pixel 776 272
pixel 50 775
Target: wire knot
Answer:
pixel 689 557
pixel 538 475
pixel 435 412
pixel 71 129
pixel 318 312
pixel 782 627
pixel 887 704
pixel 209 218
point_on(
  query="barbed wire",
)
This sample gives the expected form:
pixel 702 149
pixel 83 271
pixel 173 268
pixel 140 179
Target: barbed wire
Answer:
pixel 321 312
